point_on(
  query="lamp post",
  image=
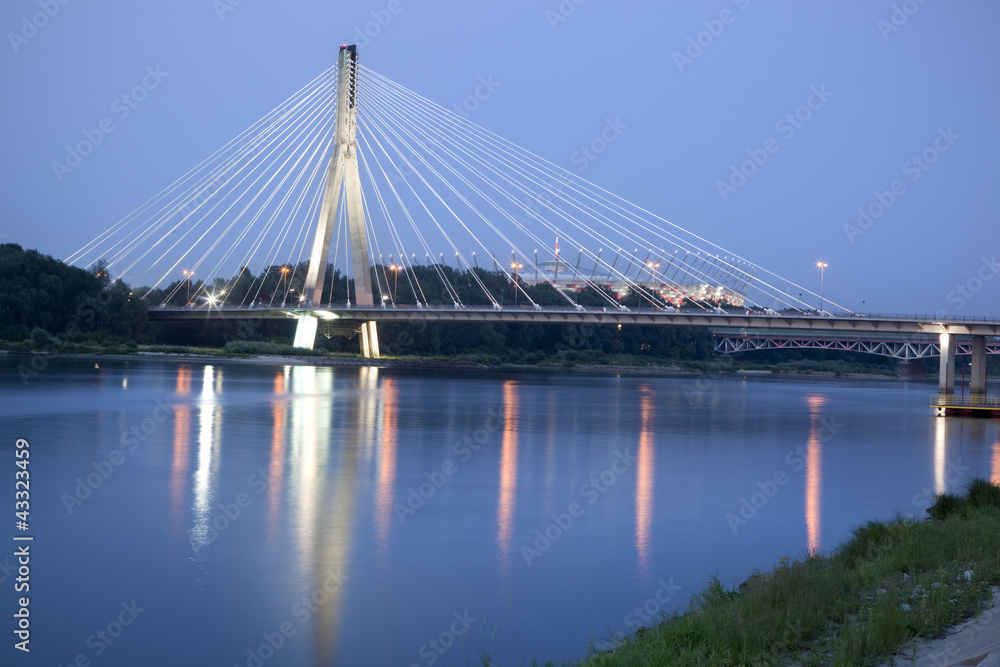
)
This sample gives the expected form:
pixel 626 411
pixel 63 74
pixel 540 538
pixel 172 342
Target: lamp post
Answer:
pixel 395 283
pixel 284 272
pixel 514 265
pixel 187 276
pixel 822 268
pixel 652 276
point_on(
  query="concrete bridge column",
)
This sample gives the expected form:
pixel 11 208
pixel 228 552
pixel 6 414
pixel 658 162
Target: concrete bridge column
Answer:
pixel 946 379
pixel 977 384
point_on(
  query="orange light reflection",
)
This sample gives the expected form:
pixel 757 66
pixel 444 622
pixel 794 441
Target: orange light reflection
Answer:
pixel 996 462
pixel 814 474
pixel 276 466
pixel 644 485
pixel 508 475
pixel 385 487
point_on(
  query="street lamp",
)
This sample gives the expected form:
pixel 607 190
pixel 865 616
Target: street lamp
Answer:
pixel 187 276
pixel 395 282
pixel 514 265
pixel 822 268
pixel 284 272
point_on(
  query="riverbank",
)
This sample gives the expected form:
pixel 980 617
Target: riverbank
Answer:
pixel 894 592
pixel 615 364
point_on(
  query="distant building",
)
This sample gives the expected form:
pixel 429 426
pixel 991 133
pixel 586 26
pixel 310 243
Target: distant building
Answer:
pixel 697 279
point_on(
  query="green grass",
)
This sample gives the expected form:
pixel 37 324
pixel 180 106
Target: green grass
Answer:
pixel 846 608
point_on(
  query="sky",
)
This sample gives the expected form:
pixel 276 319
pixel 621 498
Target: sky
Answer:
pixel 858 133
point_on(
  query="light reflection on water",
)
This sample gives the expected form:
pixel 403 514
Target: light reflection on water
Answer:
pixel 814 471
pixel 508 476
pixel 336 451
pixel 645 484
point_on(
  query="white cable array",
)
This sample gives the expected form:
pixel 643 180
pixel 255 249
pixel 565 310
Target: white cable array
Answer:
pixel 456 185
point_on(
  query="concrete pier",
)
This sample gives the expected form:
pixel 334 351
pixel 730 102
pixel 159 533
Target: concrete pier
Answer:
pixel 946 379
pixel 977 383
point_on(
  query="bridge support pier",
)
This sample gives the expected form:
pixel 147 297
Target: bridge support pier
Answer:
pixel 305 331
pixel 369 340
pixel 946 379
pixel 977 383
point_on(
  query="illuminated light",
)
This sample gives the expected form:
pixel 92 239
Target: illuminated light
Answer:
pixel 276 465
pixel 645 485
pixel 182 442
pixel 384 490
pixel 996 461
pixel 940 452
pixel 184 380
pixel 204 490
pixel 814 473
pixel 508 475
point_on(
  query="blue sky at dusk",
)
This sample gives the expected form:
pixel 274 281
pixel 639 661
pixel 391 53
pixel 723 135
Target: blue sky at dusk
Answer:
pixel 890 107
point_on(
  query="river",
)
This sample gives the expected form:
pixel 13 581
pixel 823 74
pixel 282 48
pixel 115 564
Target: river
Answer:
pixel 223 513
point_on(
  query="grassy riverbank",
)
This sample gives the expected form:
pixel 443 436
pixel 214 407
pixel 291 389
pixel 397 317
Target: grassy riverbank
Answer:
pixel 890 583
pixel 565 360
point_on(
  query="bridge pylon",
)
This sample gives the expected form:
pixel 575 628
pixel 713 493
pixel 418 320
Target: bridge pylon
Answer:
pixel 342 175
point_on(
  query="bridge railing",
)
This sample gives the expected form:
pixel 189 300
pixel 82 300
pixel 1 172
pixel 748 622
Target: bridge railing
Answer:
pixel 645 310
pixel 966 401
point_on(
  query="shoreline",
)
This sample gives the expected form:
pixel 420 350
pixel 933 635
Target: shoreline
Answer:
pixel 666 369
pixel 897 592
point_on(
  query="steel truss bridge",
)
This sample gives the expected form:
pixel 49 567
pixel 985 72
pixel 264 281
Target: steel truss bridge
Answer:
pixel 908 348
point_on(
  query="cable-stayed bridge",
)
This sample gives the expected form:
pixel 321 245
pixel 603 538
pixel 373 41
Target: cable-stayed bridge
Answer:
pixel 357 201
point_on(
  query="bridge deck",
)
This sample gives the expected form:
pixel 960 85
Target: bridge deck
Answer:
pixel 880 324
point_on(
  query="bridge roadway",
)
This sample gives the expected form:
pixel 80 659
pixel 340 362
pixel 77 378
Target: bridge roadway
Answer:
pixel 877 324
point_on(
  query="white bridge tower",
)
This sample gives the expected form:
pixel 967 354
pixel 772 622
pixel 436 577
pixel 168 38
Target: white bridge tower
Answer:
pixel 342 175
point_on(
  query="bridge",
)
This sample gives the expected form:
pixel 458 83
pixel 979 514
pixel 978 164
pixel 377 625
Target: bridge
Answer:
pixel 294 218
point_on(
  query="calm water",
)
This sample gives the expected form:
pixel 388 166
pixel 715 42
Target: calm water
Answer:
pixel 389 517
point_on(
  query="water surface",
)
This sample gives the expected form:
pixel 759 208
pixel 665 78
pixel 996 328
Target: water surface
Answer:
pixel 298 515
